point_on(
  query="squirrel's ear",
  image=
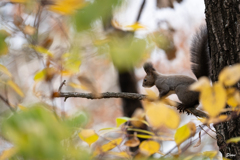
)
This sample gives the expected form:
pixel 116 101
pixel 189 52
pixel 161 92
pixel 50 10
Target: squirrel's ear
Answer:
pixel 148 67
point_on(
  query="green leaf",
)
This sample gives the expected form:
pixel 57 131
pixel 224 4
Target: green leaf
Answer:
pixel 3 44
pixel 36 133
pixel 72 61
pixel 75 122
pixel 94 11
pixel 127 51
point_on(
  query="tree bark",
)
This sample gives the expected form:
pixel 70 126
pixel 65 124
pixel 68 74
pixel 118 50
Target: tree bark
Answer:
pixel 223 24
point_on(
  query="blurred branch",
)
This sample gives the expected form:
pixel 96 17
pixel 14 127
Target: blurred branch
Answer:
pixel 7 103
pixel 103 95
pixel 140 11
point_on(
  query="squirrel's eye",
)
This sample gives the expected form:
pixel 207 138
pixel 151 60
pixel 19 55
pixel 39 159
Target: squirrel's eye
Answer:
pixel 145 80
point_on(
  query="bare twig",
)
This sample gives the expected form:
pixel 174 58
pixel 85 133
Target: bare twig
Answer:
pixel 7 103
pixel 187 145
pixel 60 87
pixel 103 95
pixel 208 133
pixel 140 11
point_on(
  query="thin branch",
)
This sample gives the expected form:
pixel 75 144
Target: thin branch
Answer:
pixel 60 87
pixel 126 95
pixel 140 11
pixel 208 133
pixel 187 145
pixel 103 95
pixel 7 103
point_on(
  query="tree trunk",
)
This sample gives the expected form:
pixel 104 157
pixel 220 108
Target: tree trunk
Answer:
pixel 223 23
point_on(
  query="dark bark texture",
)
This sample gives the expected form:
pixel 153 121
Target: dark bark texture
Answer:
pixel 223 24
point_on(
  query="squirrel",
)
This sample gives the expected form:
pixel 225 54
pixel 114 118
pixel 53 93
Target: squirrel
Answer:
pixel 179 84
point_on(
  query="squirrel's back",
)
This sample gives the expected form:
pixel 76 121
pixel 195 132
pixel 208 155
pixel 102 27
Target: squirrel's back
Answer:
pixel 200 54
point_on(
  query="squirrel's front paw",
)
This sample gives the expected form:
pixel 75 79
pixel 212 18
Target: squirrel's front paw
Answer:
pixel 181 107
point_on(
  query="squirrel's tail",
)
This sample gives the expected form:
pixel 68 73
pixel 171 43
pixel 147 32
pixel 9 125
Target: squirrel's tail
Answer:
pixel 200 57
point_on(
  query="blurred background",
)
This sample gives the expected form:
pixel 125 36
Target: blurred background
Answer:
pixel 44 42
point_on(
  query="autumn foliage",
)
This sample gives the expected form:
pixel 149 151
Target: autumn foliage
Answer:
pixel 43 131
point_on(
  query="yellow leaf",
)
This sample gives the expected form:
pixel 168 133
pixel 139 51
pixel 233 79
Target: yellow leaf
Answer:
pixel 72 62
pixel 67 7
pixel 202 83
pixel 120 154
pixel 233 140
pixel 22 107
pixel 140 130
pixel 213 99
pixel 144 136
pixel 192 127
pixel 67 73
pixel 169 102
pixel 151 94
pixel 29 30
pixel 79 86
pixel 39 76
pixel 138 117
pixel 7 154
pixel 233 97
pixel 132 142
pixel 45 74
pixel 159 115
pixel 217 119
pixel 110 145
pixel 149 147
pixel 116 24
pixel 210 154
pixel 4 70
pixel 42 50
pixel 137 121
pixel 135 26
pixel 121 120
pixel 184 132
pixel 88 135
pixel 15 87
pixel 173 120
pixel 230 75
